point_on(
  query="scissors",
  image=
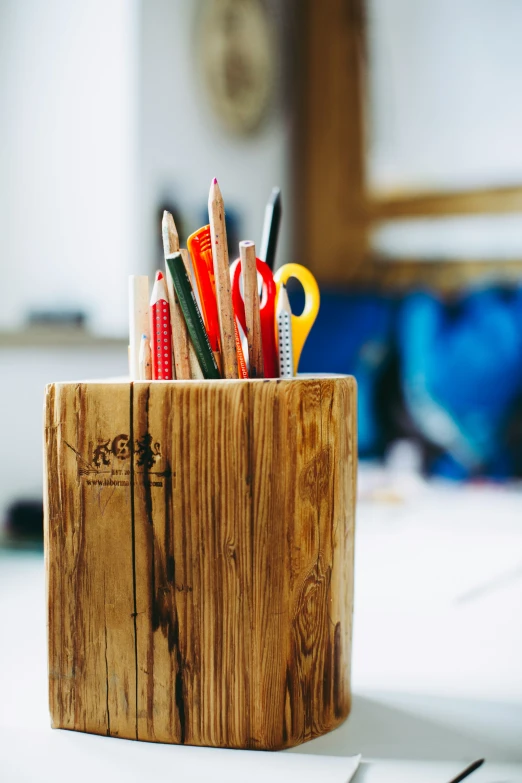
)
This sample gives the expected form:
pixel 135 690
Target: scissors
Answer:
pixel 266 312
pixel 301 324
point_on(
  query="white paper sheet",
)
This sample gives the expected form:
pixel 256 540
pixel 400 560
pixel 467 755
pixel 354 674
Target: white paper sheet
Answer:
pixel 62 756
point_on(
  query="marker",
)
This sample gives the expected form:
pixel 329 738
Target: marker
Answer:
pixel 273 212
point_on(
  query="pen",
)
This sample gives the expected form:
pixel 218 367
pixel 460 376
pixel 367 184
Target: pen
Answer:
pixel 465 772
pixel 271 223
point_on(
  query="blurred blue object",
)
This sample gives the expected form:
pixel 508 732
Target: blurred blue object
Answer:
pixel 352 335
pixel 447 375
pixel 461 371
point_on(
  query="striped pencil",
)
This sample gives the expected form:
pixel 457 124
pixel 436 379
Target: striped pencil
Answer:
pixel 180 341
pixel 160 331
pixel 284 334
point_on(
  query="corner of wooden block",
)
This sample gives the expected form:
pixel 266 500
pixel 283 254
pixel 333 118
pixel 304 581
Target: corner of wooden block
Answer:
pixel 54 718
pixel 351 380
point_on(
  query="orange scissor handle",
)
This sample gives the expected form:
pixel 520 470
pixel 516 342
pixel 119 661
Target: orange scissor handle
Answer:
pixel 200 248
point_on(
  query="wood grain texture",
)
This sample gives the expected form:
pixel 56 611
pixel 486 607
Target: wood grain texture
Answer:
pixel 92 666
pixel 207 599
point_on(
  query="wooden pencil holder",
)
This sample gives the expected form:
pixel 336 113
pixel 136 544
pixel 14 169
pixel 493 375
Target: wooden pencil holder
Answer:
pixel 199 555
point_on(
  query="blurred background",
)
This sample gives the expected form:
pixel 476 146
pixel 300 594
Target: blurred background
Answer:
pixel 393 129
pixel 111 112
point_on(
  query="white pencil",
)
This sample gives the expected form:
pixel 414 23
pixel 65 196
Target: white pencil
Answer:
pixel 145 364
pixel 284 334
pixel 138 320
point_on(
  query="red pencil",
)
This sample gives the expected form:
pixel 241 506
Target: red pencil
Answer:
pixel 160 331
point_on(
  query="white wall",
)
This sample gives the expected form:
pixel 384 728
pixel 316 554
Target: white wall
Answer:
pixel 183 144
pixel 25 373
pixel 67 157
pixel 444 81
pixel 102 116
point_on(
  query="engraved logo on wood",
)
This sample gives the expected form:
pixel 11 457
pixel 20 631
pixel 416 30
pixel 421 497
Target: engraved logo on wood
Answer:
pixel 109 461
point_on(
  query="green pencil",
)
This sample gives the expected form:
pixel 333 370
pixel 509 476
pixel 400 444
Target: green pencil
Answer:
pixel 193 318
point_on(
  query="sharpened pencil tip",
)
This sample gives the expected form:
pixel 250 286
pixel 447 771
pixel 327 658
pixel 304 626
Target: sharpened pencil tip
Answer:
pixel 169 233
pixel 159 275
pixel 214 181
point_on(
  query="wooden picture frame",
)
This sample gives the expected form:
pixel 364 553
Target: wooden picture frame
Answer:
pixel 335 210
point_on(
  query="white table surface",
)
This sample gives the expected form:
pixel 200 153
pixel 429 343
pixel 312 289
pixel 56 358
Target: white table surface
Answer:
pixel 437 658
